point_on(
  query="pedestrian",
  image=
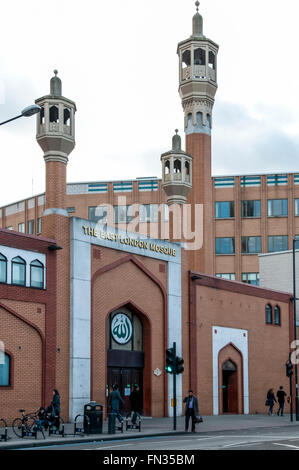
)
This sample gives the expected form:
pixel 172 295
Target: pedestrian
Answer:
pixel 281 394
pixel 56 410
pixel 270 401
pixel 191 410
pixel 135 400
pixel 114 400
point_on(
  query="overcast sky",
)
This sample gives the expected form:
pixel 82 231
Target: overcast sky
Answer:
pixel 117 60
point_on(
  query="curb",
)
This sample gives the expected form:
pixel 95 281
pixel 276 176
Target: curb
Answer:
pixel 64 441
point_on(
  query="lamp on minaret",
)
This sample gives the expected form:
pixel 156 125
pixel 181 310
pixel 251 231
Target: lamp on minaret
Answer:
pixel 176 172
pixel 56 136
pixel 198 77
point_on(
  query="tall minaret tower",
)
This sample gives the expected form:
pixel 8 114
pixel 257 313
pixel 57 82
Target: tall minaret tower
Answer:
pixel 197 88
pixel 56 137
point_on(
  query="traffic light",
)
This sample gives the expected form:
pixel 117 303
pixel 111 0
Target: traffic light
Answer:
pixel 289 369
pixel 170 361
pixel 179 368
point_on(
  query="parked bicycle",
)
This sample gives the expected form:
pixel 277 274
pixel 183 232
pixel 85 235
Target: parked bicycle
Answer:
pixel 25 423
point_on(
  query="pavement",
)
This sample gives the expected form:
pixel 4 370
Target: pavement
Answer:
pixel 152 427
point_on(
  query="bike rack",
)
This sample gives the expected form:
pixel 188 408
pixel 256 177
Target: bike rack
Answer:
pixel 56 432
pixel 3 437
pixel 120 427
pixel 81 429
pixel 133 426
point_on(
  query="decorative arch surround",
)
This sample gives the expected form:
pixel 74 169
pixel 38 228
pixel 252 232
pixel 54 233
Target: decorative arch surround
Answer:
pixel 227 339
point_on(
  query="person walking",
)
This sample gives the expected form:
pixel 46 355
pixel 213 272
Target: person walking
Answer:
pixel 135 400
pixel 115 400
pixel 281 394
pixel 191 409
pixel 270 401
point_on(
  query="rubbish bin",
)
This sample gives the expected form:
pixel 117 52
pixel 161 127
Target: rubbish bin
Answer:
pixel 111 423
pixel 94 411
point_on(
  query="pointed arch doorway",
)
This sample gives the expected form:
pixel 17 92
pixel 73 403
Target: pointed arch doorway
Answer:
pixel 230 376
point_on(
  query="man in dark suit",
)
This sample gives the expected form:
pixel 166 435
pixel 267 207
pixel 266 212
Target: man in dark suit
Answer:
pixel 191 410
pixel 115 400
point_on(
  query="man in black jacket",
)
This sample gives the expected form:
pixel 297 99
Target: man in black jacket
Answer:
pixel 191 410
pixel 135 400
pixel 281 394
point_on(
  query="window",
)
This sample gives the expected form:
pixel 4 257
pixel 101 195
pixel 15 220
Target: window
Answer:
pixel 30 227
pixel 9 227
pixel 296 206
pixel 269 314
pixel 71 210
pixel 36 274
pixel 186 59
pixel 3 268
pixel 21 227
pixel 250 181
pixel 54 114
pixel 148 213
pixel 277 243
pixel 277 207
pixel 121 214
pixel 250 208
pixel 224 210
pixel 98 214
pixel 39 225
pixel 18 271
pixel 5 371
pixel 251 278
pixel 251 245
pixel 229 276
pixel 276 315
pixel 225 246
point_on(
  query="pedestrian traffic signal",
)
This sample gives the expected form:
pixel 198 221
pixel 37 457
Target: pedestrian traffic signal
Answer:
pixel 179 368
pixel 170 361
pixel 289 369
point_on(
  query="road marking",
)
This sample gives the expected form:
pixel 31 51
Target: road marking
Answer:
pixel 110 447
pixel 285 445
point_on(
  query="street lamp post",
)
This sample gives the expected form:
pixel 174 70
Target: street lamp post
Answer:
pixel 295 324
pixel 28 111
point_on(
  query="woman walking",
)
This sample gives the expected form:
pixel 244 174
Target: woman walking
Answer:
pixel 270 401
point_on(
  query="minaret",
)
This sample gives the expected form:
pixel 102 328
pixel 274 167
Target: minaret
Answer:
pixel 56 136
pixel 197 88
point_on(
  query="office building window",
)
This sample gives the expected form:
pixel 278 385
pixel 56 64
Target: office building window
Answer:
pixel 224 210
pixel 21 227
pixel 277 207
pixel 251 245
pixel 296 207
pixel 5 371
pixel 18 273
pixel 98 214
pixel 225 246
pixel 251 208
pixel 251 278
pixel 229 276
pixel 148 213
pixel 37 274
pixel 269 314
pixel 3 268
pixel 39 225
pixel 277 243
pixel 30 227
pixel 122 214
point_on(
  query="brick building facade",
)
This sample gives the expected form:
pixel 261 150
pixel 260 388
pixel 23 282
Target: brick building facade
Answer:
pixel 114 298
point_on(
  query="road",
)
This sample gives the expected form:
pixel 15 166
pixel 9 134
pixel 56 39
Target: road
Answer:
pixel 271 438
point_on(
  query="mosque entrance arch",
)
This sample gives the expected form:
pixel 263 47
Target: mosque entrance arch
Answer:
pixel 125 355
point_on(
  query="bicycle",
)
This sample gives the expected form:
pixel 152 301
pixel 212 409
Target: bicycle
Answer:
pixel 25 423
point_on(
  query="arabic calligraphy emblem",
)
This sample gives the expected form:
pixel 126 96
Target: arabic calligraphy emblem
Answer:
pixel 121 328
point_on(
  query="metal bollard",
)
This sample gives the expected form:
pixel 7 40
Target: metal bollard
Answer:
pixel 111 423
